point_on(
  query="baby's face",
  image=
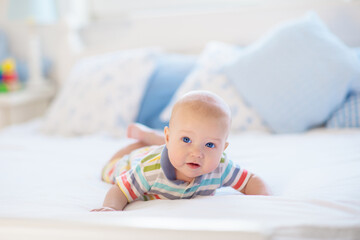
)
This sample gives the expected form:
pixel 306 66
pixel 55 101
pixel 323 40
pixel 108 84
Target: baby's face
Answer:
pixel 195 143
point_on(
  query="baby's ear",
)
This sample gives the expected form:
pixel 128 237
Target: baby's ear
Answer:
pixel 226 145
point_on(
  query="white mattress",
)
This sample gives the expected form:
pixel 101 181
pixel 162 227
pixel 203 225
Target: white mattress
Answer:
pixel 49 184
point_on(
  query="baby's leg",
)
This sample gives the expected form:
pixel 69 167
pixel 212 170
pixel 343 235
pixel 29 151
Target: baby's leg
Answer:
pixel 146 135
pixel 117 162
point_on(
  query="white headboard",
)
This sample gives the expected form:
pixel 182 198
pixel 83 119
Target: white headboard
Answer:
pixel 189 32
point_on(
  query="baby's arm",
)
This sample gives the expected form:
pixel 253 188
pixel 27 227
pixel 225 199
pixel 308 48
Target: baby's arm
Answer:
pixel 115 200
pixel 256 186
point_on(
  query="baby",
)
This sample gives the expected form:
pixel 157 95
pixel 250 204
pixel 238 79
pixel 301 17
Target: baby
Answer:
pixel 191 163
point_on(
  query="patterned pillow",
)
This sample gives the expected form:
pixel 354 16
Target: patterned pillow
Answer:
pixel 102 94
pixel 205 77
pixel 348 115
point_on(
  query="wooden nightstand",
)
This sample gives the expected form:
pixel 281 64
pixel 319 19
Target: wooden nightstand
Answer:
pixel 23 105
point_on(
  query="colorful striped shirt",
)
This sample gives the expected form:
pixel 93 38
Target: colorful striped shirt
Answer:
pixel 153 177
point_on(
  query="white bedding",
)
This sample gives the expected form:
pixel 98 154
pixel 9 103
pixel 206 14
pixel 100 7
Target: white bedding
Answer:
pixel 49 184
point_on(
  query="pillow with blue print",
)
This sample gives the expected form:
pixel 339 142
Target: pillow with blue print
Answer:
pixel 296 75
pixel 102 94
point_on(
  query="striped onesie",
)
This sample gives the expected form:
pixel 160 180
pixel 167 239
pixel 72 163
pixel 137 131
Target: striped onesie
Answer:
pixel 147 174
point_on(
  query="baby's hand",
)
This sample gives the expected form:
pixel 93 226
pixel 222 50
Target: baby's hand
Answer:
pixel 103 209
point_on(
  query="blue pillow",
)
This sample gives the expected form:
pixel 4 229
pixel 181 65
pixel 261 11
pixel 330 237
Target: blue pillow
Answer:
pixel 297 75
pixel 348 115
pixel 171 71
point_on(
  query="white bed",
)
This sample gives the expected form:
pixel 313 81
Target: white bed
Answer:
pixel 49 185
pixel 50 182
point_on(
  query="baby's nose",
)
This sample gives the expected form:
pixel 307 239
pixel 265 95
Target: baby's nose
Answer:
pixel 197 152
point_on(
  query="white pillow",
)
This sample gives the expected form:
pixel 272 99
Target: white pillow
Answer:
pixel 205 77
pixel 102 94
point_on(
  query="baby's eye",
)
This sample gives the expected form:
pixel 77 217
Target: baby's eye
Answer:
pixel 210 145
pixel 186 139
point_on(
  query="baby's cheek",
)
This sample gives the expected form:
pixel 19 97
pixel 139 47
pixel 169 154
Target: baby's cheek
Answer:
pixel 212 166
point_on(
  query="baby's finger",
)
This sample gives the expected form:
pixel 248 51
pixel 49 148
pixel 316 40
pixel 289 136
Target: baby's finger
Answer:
pixel 103 209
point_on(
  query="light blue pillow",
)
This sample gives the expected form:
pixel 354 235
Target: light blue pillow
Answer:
pixel 170 72
pixel 296 75
pixel 348 115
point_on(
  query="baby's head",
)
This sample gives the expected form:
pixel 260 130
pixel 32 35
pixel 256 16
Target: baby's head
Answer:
pixel 197 134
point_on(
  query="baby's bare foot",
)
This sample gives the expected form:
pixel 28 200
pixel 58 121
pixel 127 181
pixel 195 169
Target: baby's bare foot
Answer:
pixel 137 131
pixel 145 134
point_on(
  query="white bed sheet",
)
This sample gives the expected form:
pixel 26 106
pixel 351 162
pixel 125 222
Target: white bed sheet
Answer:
pixel 49 184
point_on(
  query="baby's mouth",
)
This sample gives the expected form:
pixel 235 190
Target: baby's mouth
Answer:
pixel 193 165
